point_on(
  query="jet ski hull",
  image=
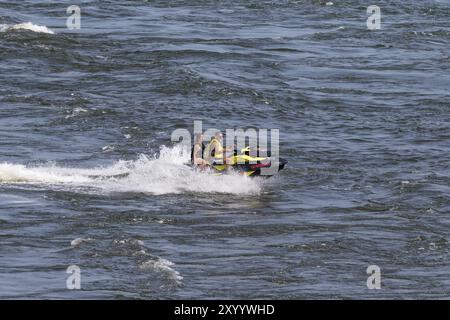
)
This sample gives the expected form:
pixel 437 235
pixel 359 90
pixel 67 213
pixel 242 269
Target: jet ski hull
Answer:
pixel 253 169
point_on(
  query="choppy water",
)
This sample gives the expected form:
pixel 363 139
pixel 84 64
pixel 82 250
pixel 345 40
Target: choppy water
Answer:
pixel 364 120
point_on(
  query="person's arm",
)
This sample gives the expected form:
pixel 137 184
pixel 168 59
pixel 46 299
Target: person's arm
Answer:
pixel 198 156
pixel 196 152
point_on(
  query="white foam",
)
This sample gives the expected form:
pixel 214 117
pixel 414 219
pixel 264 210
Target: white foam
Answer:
pixel 157 175
pixel 164 266
pixel 26 26
pixel 76 242
pixel 48 175
pixel 75 112
pixel 108 148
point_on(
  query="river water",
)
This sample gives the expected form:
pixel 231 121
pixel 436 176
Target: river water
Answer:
pixel 364 121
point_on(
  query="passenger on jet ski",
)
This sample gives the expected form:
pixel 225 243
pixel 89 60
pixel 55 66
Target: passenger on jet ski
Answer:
pixel 215 152
pixel 197 152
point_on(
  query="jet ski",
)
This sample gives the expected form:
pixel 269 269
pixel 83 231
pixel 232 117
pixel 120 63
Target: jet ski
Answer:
pixel 249 164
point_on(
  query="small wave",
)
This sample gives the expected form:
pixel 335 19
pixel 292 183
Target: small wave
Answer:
pixel 75 112
pixel 25 26
pixel 163 266
pixel 163 174
pixel 76 242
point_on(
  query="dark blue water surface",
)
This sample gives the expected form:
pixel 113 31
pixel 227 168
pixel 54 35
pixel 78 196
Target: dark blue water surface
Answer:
pixel 364 120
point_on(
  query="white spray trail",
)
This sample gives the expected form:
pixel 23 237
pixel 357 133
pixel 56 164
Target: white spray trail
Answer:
pixel 157 175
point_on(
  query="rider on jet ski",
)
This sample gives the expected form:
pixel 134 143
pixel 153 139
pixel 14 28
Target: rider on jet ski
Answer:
pixel 214 156
pixel 215 152
pixel 197 152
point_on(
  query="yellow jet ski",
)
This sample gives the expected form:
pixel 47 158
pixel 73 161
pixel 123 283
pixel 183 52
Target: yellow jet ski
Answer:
pixel 250 164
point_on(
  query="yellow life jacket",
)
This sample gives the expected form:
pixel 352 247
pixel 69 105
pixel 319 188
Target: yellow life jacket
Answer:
pixel 218 152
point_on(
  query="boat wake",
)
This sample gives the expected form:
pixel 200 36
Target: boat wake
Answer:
pixel 161 174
